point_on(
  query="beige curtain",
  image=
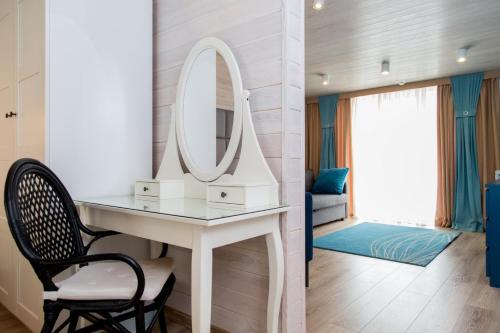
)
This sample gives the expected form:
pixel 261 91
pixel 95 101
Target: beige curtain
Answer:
pixel 343 145
pixel 446 156
pixel 313 137
pixel 488 133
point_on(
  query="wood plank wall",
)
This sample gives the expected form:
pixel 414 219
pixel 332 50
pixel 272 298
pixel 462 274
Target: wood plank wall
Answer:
pixel 267 39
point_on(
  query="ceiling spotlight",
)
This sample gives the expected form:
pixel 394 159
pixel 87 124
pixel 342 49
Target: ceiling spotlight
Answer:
pixel 401 83
pixel 462 55
pixel 385 68
pixel 318 4
pixel 325 79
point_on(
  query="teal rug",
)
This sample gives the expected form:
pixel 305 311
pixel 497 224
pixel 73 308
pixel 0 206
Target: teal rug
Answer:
pixel 416 246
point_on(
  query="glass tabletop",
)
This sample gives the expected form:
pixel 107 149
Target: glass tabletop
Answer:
pixel 181 207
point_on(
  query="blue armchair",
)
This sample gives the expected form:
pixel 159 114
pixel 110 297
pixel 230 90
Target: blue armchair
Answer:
pixel 309 233
pixel 320 209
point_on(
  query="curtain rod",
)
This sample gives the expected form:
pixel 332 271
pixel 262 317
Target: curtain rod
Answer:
pixel 393 88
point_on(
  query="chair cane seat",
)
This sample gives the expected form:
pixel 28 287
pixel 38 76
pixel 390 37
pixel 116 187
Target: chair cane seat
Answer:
pixel 113 281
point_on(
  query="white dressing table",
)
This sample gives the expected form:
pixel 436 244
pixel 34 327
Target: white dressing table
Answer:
pixel 205 194
pixel 191 224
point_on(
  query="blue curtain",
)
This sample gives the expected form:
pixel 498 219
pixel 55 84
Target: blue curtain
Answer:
pixel 327 111
pixel 467 213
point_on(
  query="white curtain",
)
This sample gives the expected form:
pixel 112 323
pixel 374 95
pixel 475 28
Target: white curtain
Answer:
pixel 395 155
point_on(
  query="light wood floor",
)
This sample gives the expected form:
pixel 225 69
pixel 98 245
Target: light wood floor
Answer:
pixel 10 324
pixel 350 293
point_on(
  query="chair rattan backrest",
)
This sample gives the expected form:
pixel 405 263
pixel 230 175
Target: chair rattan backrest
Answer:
pixel 41 214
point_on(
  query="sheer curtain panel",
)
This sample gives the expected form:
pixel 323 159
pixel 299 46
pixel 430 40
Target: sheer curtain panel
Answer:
pixel 395 155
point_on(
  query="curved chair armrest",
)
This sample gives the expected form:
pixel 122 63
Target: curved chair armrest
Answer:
pixel 104 257
pixel 97 235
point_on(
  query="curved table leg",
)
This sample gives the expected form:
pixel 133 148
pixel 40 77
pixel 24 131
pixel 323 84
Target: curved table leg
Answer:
pixel 276 276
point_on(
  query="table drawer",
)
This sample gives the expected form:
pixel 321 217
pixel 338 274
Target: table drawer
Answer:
pixel 163 189
pixel 238 195
pixel 150 189
pixel 226 194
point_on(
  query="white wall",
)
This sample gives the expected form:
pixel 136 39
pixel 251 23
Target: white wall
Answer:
pixel 99 88
pixel 99 85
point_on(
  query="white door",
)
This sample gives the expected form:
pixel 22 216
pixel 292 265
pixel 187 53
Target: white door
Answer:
pixel 30 136
pixel 7 146
pixel 30 78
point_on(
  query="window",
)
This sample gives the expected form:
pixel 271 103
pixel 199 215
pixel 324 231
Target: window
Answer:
pixel 395 156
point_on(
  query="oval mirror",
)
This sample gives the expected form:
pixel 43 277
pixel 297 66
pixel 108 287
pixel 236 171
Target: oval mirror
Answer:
pixel 209 109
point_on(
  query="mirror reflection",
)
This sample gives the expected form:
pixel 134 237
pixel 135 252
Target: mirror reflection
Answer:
pixel 208 110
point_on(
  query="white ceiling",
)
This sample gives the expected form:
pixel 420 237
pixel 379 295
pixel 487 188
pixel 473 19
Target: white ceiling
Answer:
pixel 348 39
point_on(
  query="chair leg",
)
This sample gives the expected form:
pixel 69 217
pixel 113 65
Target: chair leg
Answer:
pixel 162 321
pixel 51 313
pixel 140 325
pixel 73 321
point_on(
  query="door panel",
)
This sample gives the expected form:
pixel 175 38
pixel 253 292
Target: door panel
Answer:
pixel 7 35
pixel 7 71
pixel 30 37
pixel 7 265
pixel 30 128
pixel 29 297
pixel 7 147
pixel 7 127
pixel 5 8
pixel 29 136
pixel 8 253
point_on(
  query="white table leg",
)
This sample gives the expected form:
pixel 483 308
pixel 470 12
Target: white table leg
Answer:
pixel 276 276
pixel 201 285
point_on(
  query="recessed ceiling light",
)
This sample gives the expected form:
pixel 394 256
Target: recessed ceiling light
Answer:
pixel 462 55
pixel 325 79
pixel 318 4
pixel 401 83
pixel 385 70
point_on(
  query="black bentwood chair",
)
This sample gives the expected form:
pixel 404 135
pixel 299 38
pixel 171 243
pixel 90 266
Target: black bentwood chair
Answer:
pixel 45 225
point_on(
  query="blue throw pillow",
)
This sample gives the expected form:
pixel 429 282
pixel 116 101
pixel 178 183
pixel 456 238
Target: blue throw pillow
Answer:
pixel 330 181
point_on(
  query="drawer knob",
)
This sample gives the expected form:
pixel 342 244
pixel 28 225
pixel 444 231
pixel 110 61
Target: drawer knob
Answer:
pixel 146 189
pixel 223 194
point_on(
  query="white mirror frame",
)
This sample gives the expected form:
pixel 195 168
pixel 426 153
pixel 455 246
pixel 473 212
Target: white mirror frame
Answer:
pixel 226 53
